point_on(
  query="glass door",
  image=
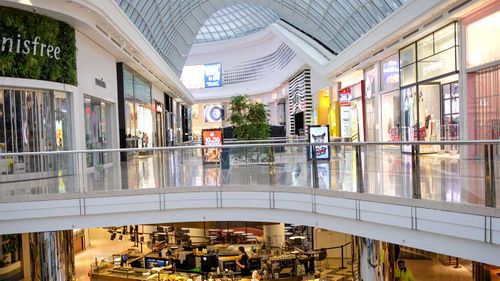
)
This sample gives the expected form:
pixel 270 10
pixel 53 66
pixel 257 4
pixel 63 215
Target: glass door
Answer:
pixel 451 109
pixel 96 130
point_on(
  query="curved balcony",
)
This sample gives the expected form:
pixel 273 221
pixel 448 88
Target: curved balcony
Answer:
pixel 444 202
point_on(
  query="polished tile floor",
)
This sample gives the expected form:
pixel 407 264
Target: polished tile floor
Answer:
pixel 385 171
pixel 100 247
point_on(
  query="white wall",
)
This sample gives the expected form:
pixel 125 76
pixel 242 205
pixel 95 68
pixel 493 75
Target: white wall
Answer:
pixel 327 239
pixel 94 62
pixel 236 52
pixel 318 82
pixel 158 95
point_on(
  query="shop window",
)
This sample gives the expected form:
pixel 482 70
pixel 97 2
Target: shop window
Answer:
pixel 32 121
pixel 409 114
pixel 407 55
pixel 408 75
pixel 437 65
pixel 391 116
pixel 444 38
pixel 389 74
pixel 97 129
pixel 425 47
pixel 128 84
pixel 436 56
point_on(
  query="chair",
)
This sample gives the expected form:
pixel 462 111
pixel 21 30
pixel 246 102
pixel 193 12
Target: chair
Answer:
pixel 323 254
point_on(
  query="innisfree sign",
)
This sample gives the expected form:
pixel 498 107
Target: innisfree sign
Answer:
pixel 25 47
pixel 34 46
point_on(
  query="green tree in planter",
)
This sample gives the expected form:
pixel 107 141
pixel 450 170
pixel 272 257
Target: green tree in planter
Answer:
pixel 257 127
pixel 249 119
pixel 239 107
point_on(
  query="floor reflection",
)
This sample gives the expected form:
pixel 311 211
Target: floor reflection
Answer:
pixel 385 171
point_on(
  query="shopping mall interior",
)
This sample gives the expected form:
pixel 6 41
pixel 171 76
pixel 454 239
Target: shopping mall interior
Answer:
pixel 218 140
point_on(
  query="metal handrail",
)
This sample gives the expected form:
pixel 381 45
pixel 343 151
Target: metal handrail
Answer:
pixel 257 145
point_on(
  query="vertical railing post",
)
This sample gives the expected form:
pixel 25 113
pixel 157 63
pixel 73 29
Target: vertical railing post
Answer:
pixel 272 167
pixel 415 171
pixel 221 158
pixel 359 169
pixel 342 256
pixel 82 162
pixel 314 166
pixel 490 192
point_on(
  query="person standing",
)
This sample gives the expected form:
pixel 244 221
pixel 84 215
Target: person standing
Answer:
pixel 242 262
pixel 402 273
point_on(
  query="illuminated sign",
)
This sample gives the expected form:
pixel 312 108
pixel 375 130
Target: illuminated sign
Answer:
pixel 320 134
pixel 202 76
pixel 214 113
pixel 211 137
pixel 213 75
pixel 345 96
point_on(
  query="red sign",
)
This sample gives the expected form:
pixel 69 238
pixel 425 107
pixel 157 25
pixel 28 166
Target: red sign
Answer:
pixel 211 137
pixel 345 96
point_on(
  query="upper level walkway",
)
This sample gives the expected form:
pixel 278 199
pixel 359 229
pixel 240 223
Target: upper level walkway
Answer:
pixel 443 201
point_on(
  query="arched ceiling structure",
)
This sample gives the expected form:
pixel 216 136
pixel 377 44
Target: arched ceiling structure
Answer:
pixel 172 26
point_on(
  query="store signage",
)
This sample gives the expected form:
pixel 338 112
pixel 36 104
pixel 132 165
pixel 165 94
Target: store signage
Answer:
pixel 214 113
pixel 390 72
pixel 31 46
pixel 319 134
pixel 211 137
pixel 100 82
pixel 213 75
pixel 345 96
pixel 345 122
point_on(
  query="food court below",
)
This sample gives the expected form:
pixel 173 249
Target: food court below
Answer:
pixel 199 251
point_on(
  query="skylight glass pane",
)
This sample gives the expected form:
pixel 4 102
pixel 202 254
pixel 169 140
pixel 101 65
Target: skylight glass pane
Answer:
pixel 236 21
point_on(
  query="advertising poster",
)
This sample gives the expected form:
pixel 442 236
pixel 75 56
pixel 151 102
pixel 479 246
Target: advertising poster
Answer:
pixel 320 134
pixel 211 137
pixel 213 75
pixel 345 122
pixel 214 113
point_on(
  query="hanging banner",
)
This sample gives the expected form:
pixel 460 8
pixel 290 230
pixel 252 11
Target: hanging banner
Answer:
pixel 319 134
pixel 211 137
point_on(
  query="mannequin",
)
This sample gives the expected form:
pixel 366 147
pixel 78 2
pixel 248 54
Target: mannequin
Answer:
pixel 427 121
pixel 432 128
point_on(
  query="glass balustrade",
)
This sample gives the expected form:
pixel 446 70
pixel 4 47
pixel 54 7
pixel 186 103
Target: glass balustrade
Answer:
pixel 460 172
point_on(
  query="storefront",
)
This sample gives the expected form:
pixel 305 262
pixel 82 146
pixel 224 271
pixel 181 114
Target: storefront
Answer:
pixel 429 88
pixel 483 72
pixel 159 124
pixel 138 110
pixel 390 98
pixel 370 99
pixel 37 115
pixel 352 112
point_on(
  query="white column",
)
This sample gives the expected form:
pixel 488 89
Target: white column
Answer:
pixel 274 234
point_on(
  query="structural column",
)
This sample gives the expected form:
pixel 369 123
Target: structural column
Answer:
pixel 51 256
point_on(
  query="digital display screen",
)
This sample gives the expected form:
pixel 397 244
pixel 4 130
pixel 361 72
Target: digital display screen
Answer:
pixel 202 76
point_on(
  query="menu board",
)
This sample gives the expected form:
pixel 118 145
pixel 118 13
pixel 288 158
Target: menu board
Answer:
pixel 320 134
pixel 211 137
